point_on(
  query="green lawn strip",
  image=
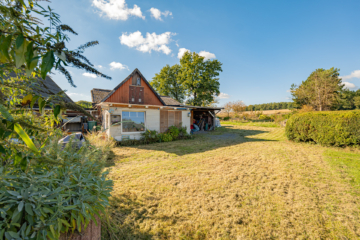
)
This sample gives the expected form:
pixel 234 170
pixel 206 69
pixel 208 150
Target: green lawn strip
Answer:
pixel 346 163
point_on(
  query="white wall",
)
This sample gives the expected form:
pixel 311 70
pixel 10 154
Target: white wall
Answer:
pixel 152 122
pixel 186 120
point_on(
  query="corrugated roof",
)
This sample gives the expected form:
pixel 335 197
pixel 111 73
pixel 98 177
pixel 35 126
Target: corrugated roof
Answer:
pixel 170 101
pixel 98 94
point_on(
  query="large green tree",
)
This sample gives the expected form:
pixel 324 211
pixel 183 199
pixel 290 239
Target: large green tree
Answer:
pixel 320 90
pixel 195 79
pixel 168 82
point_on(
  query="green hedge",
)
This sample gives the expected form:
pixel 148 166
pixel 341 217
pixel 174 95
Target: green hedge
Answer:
pixel 340 128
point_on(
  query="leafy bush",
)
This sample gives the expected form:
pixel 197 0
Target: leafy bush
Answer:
pixel 45 200
pixel 226 118
pixel 165 137
pixel 264 117
pixel 173 131
pixel 339 128
pixel 172 134
pixel 150 136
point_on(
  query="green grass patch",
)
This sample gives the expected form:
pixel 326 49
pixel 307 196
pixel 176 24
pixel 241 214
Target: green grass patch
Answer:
pixel 256 124
pixel 346 163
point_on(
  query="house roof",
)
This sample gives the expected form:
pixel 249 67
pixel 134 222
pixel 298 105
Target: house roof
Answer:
pixel 47 87
pixel 98 94
pixel 170 101
pixel 127 78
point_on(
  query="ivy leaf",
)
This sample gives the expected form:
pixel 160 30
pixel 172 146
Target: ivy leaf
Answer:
pixel 5 45
pixel 57 111
pixel 20 51
pixel 41 103
pixel 20 131
pixel 47 63
pixel 33 101
pixel 19 40
pixel 31 59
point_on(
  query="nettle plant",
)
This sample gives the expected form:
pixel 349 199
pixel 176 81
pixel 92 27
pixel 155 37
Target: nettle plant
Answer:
pixel 45 190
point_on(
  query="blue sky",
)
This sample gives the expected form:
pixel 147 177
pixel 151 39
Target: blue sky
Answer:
pixel 264 46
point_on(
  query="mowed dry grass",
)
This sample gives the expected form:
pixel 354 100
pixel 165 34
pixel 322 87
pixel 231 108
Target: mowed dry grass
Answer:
pixel 256 185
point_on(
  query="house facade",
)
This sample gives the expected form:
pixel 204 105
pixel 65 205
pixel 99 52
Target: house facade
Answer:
pixel 133 107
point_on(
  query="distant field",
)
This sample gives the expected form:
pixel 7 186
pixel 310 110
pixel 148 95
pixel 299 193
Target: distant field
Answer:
pixel 266 112
pixel 238 182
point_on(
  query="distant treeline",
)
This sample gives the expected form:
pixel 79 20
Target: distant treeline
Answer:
pixel 270 106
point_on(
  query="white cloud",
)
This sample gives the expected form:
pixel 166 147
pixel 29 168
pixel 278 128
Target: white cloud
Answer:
pixel 117 9
pixel 349 85
pixel 223 96
pixel 156 13
pixel 117 65
pixel 182 51
pixel 288 90
pixel 354 74
pixel 99 66
pixel 207 55
pixel 90 75
pixel 151 42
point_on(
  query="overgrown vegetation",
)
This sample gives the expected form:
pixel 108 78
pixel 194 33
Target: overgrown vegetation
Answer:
pixel 48 199
pixel 152 136
pixel 45 190
pixel 337 128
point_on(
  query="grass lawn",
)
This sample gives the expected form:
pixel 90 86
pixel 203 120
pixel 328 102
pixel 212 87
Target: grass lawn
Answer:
pixel 239 182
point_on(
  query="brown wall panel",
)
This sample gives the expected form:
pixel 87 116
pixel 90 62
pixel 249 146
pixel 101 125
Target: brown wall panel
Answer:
pixel 121 95
pixel 163 121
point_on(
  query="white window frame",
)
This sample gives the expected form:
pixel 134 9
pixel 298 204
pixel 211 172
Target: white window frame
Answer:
pixel 122 119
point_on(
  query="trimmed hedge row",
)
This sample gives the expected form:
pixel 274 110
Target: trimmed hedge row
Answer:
pixel 338 128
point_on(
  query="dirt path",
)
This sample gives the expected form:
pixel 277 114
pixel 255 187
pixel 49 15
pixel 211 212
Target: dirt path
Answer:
pixel 251 184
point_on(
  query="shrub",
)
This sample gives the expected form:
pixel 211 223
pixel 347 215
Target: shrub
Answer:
pixel 226 118
pixel 165 137
pixel 150 136
pixel 46 199
pixel 264 117
pixel 340 128
pixel 173 131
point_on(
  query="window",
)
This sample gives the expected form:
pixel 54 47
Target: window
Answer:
pixel 138 81
pixel 133 121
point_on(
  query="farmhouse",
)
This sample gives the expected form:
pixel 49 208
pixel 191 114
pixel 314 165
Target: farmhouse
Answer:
pixel 134 106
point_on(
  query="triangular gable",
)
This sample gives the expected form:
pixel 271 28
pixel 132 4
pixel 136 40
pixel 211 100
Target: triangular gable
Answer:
pixel 122 89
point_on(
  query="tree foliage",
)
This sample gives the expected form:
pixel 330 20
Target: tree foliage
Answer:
pixel 270 106
pixel 38 50
pixel 168 82
pixel 195 79
pixel 84 104
pixel 320 90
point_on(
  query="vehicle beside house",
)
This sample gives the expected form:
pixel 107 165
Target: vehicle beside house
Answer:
pixel 133 106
